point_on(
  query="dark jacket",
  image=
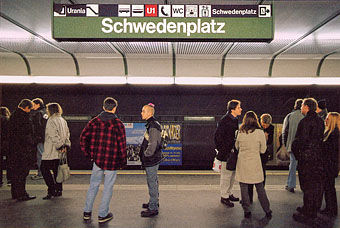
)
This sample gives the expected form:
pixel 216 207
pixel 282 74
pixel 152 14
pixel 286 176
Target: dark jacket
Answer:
pixel 151 152
pixel 225 136
pixel 39 119
pixel 270 150
pixel 4 136
pixel 103 140
pixel 308 142
pixel 331 154
pixel 21 146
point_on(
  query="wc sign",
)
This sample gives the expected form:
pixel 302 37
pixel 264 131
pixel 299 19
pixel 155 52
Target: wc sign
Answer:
pixel 178 11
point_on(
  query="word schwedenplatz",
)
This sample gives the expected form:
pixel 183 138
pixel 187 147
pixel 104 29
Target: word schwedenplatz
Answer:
pixel 213 27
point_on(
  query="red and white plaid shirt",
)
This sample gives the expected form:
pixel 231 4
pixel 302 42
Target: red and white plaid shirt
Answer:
pixel 104 141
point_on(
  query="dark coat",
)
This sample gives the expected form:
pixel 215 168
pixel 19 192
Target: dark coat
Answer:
pixel 225 136
pixel 4 136
pixel 331 154
pixel 308 143
pixel 39 120
pixel 157 156
pixel 22 150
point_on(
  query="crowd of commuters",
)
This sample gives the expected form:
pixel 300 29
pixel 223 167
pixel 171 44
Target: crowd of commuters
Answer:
pixel 38 135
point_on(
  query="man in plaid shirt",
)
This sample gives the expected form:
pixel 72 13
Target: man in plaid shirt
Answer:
pixel 103 140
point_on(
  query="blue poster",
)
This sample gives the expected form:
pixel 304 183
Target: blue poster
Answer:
pixel 135 135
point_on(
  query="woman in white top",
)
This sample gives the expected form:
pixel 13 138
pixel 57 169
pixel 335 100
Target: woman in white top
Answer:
pixel 57 136
pixel 250 142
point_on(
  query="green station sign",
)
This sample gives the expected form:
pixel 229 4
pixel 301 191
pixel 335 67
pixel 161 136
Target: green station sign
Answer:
pixel 122 22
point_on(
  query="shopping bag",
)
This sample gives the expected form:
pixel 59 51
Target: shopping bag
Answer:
pixel 63 169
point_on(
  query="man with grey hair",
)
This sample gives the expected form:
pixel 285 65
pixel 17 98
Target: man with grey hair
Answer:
pixel 289 128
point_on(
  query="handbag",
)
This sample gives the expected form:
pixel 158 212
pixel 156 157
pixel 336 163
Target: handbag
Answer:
pixel 217 164
pixel 232 160
pixel 63 169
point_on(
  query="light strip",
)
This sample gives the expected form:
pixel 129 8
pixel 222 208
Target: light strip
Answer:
pixel 119 80
pixel 150 80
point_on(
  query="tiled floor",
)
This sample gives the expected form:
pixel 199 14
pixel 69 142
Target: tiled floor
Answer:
pixel 188 199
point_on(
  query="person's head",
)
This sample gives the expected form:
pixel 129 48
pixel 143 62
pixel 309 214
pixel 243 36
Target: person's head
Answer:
pixel 298 103
pixel 250 122
pixel 234 107
pixel 332 121
pixel 38 103
pixel 26 105
pixel 110 105
pixel 148 111
pixel 53 108
pixel 4 112
pixel 266 120
pixel 308 105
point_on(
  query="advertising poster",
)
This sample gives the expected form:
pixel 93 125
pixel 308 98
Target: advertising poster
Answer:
pixel 134 139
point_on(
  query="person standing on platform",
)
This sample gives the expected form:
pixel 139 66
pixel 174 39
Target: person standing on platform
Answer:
pixel 57 137
pixel 321 110
pixel 224 142
pixel 250 143
pixel 103 140
pixel 22 154
pixel 151 156
pixel 331 156
pixel 307 148
pixel 289 128
pixel 39 120
pixel 4 114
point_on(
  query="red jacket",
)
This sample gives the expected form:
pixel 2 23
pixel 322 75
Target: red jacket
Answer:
pixel 103 140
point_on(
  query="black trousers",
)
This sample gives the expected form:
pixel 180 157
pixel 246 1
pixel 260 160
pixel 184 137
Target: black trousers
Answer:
pixel 330 195
pixel 18 187
pixel 312 186
pixel 50 180
pixel 251 186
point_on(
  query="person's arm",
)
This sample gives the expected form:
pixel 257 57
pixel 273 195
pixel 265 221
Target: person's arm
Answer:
pixel 263 143
pixel 152 143
pixel 84 139
pixel 121 142
pixel 285 128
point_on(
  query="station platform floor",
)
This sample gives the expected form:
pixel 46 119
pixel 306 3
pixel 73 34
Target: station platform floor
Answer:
pixel 187 199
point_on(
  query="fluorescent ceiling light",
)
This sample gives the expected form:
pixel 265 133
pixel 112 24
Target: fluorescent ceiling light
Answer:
pixel 104 80
pixel 198 80
pixel 150 80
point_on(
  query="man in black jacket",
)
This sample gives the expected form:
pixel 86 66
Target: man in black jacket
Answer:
pixel 151 156
pixel 21 149
pixel 39 120
pixel 307 148
pixel 224 142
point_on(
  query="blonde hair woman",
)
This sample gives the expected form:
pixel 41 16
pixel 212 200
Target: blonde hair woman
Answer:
pixel 331 156
pixel 57 135
pixel 251 142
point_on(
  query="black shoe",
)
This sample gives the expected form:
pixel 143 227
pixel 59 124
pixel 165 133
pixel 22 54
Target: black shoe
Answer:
pixel 299 209
pixel 227 202
pixel 58 193
pixel 269 214
pixel 299 217
pixel 48 197
pixel 107 218
pixel 290 189
pixel 328 213
pixel 26 198
pixel 233 198
pixel 146 205
pixel 149 213
pixel 247 214
pixel 87 215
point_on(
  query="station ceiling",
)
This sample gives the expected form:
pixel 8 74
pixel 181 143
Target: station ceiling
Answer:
pixel 307 32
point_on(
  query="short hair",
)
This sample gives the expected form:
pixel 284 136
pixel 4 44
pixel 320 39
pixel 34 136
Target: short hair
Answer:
pixel 53 108
pixel 250 122
pixel 322 104
pixel 311 103
pixel 110 103
pixel 4 112
pixel 298 104
pixel 266 118
pixel 25 103
pixel 151 107
pixel 232 104
pixel 38 101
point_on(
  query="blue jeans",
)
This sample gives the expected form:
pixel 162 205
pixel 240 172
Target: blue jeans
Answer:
pixel 96 178
pixel 40 151
pixel 291 182
pixel 152 180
